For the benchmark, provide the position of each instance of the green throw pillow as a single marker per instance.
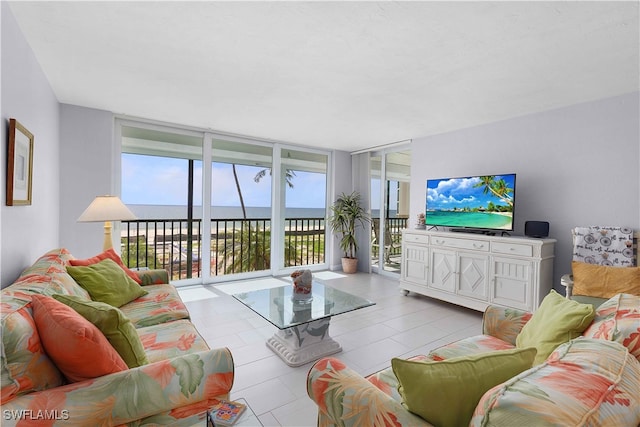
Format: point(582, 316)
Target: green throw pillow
point(445, 393)
point(557, 321)
point(113, 324)
point(107, 282)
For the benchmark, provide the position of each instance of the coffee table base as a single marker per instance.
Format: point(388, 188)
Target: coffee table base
point(305, 343)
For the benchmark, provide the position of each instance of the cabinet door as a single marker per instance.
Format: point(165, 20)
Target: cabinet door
point(512, 282)
point(443, 270)
point(473, 276)
point(415, 263)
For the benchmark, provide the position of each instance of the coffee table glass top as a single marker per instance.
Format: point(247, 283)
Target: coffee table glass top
point(277, 306)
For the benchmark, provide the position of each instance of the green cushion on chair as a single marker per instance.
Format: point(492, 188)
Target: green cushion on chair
point(557, 321)
point(445, 393)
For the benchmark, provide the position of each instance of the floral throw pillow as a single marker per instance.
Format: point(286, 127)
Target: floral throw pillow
point(618, 319)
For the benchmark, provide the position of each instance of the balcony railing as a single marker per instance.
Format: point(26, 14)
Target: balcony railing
point(237, 245)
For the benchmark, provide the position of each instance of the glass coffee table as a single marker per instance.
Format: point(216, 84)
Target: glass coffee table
point(303, 325)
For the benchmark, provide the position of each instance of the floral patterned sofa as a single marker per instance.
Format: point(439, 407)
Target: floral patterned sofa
point(174, 379)
point(591, 380)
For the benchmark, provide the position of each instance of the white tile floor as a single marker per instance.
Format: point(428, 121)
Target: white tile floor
point(397, 326)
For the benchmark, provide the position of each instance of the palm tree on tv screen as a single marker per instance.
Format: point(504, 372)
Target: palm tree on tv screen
point(497, 187)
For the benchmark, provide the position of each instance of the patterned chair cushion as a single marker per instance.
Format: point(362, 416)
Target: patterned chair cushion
point(618, 319)
point(588, 382)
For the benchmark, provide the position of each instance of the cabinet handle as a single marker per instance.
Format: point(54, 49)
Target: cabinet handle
point(478, 246)
point(440, 242)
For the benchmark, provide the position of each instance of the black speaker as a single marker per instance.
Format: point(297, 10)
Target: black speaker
point(536, 228)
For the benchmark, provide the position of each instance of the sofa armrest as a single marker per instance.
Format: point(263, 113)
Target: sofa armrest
point(345, 398)
point(504, 323)
point(131, 394)
point(152, 276)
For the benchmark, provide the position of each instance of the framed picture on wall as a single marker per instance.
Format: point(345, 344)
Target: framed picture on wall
point(19, 164)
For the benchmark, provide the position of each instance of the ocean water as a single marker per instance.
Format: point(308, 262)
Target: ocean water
point(219, 212)
point(469, 219)
point(228, 212)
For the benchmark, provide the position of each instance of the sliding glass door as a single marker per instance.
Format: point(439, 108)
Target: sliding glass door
point(390, 173)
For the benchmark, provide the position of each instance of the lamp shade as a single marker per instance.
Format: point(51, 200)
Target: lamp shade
point(106, 208)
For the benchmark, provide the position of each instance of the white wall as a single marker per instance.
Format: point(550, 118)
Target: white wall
point(87, 170)
point(26, 232)
point(575, 166)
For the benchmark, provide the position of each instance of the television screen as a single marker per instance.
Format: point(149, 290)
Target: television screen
point(481, 202)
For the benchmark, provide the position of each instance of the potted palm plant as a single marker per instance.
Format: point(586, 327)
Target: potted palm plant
point(346, 215)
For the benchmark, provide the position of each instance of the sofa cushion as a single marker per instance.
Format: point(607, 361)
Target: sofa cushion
point(604, 281)
point(25, 367)
point(53, 261)
point(161, 304)
point(171, 339)
point(618, 319)
point(556, 321)
point(48, 276)
point(114, 326)
point(108, 254)
point(445, 393)
point(31, 284)
point(386, 381)
point(476, 344)
point(586, 382)
point(76, 346)
point(106, 282)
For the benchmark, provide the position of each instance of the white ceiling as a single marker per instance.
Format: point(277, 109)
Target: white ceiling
point(345, 75)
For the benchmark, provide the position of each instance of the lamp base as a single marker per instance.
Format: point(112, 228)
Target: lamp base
point(108, 240)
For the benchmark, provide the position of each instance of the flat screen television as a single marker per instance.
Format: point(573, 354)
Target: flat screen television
point(472, 202)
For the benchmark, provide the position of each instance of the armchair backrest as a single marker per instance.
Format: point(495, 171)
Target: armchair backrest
point(595, 250)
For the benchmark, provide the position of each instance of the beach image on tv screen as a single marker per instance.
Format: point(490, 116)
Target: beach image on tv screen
point(473, 202)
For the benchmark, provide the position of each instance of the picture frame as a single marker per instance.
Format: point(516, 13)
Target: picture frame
point(19, 164)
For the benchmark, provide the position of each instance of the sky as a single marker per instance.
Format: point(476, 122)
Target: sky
point(446, 194)
point(152, 180)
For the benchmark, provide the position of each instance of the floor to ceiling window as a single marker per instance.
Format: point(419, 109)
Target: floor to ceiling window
point(161, 182)
point(390, 173)
point(240, 208)
point(303, 188)
point(265, 204)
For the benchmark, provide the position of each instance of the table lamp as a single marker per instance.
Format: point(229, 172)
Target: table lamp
point(106, 208)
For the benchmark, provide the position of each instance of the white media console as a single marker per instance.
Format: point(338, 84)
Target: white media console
point(476, 271)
